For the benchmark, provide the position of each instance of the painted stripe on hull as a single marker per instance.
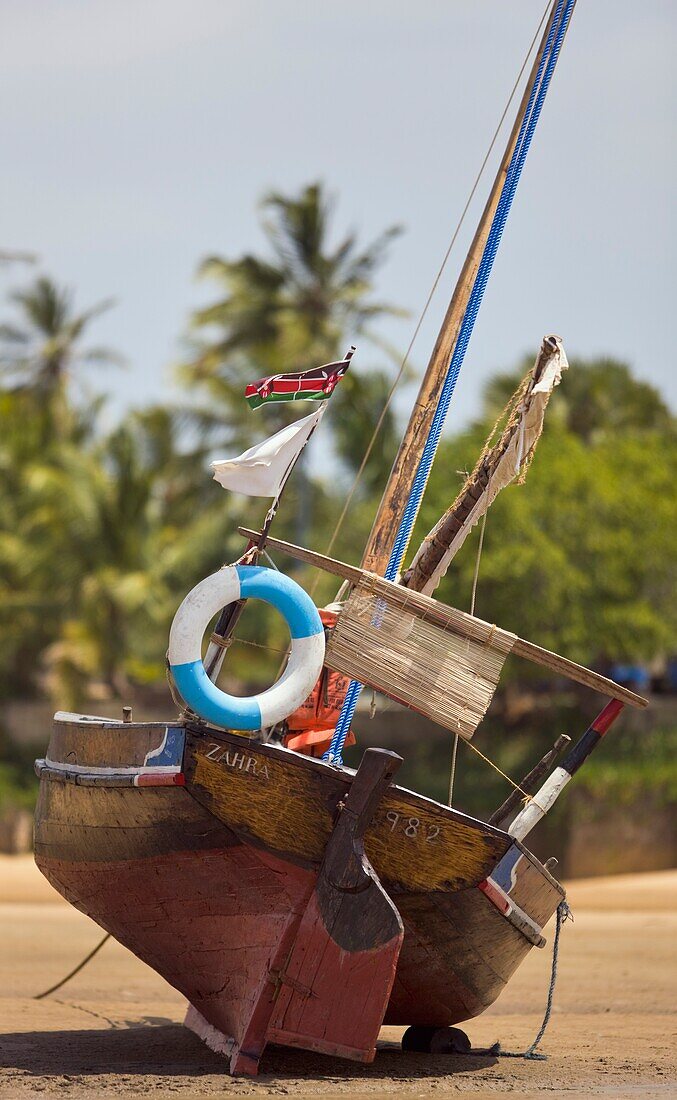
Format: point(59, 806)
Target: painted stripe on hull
point(512, 912)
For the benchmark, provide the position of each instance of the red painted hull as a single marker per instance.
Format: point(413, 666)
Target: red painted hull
point(248, 937)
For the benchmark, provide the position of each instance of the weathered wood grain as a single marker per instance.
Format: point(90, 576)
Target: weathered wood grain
point(287, 803)
point(405, 466)
point(458, 954)
point(106, 825)
point(108, 745)
point(534, 889)
point(209, 922)
point(335, 985)
point(466, 625)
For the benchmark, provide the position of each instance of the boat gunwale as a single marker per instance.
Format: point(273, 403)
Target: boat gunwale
point(312, 764)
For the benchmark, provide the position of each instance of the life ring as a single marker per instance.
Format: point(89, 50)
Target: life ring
point(231, 583)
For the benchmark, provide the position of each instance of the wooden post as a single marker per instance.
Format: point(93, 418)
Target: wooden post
point(544, 799)
point(337, 979)
point(381, 539)
point(446, 531)
point(459, 622)
point(529, 784)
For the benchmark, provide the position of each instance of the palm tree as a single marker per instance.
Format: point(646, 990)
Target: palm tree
point(294, 309)
point(39, 350)
point(109, 518)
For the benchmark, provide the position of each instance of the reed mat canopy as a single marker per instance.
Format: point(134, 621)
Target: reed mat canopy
point(435, 659)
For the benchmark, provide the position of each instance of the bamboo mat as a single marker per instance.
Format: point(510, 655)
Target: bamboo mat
point(385, 638)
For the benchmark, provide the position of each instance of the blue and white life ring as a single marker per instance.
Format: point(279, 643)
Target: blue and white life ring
point(231, 583)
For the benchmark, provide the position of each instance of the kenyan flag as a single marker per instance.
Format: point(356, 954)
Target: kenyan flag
point(310, 385)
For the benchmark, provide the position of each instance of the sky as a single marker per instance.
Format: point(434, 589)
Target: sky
point(139, 135)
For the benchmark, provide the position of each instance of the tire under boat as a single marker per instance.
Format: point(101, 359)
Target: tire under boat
point(200, 851)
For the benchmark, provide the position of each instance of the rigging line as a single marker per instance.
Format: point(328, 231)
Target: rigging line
point(477, 564)
point(478, 558)
point(527, 796)
point(435, 284)
point(556, 32)
point(76, 970)
point(257, 645)
point(452, 772)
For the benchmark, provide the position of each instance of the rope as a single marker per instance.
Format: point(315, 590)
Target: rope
point(473, 596)
point(431, 293)
point(545, 69)
point(563, 914)
point(496, 768)
point(257, 645)
point(476, 574)
point(452, 772)
point(78, 968)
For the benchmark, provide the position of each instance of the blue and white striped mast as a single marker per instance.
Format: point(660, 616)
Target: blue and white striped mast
point(401, 500)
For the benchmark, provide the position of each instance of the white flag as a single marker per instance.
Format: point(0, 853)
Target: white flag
point(261, 471)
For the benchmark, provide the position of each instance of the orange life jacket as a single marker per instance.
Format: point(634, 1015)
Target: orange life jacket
point(311, 726)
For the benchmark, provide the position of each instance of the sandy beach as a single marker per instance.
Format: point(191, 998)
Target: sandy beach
point(115, 1029)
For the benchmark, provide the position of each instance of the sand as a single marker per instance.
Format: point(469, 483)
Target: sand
point(115, 1031)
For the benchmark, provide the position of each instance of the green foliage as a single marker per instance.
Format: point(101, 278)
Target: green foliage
point(579, 558)
point(103, 533)
point(599, 398)
point(634, 766)
point(16, 789)
point(18, 783)
point(40, 348)
point(299, 306)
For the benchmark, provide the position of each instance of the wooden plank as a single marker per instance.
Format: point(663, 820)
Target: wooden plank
point(384, 529)
point(459, 621)
point(285, 804)
point(562, 667)
point(310, 557)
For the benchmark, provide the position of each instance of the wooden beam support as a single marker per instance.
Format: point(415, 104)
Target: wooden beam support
point(386, 522)
point(461, 623)
point(581, 675)
point(310, 557)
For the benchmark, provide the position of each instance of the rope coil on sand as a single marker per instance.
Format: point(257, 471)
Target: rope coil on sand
point(563, 914)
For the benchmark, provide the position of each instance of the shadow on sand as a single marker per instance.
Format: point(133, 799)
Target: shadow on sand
point(161, 1048)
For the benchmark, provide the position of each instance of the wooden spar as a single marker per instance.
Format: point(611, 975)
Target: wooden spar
point(528, 785)
point(398, 488)
point(310, 557)
point(585, 676)
point(461, 623)
point(463, 513)
point(538, 806)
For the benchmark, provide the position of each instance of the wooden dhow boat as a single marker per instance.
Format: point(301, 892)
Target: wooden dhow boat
point(291, 899)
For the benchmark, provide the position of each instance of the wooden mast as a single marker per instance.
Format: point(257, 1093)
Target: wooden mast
point(382, 536)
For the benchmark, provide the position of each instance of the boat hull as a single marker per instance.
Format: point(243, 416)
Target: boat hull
point(223, 913)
